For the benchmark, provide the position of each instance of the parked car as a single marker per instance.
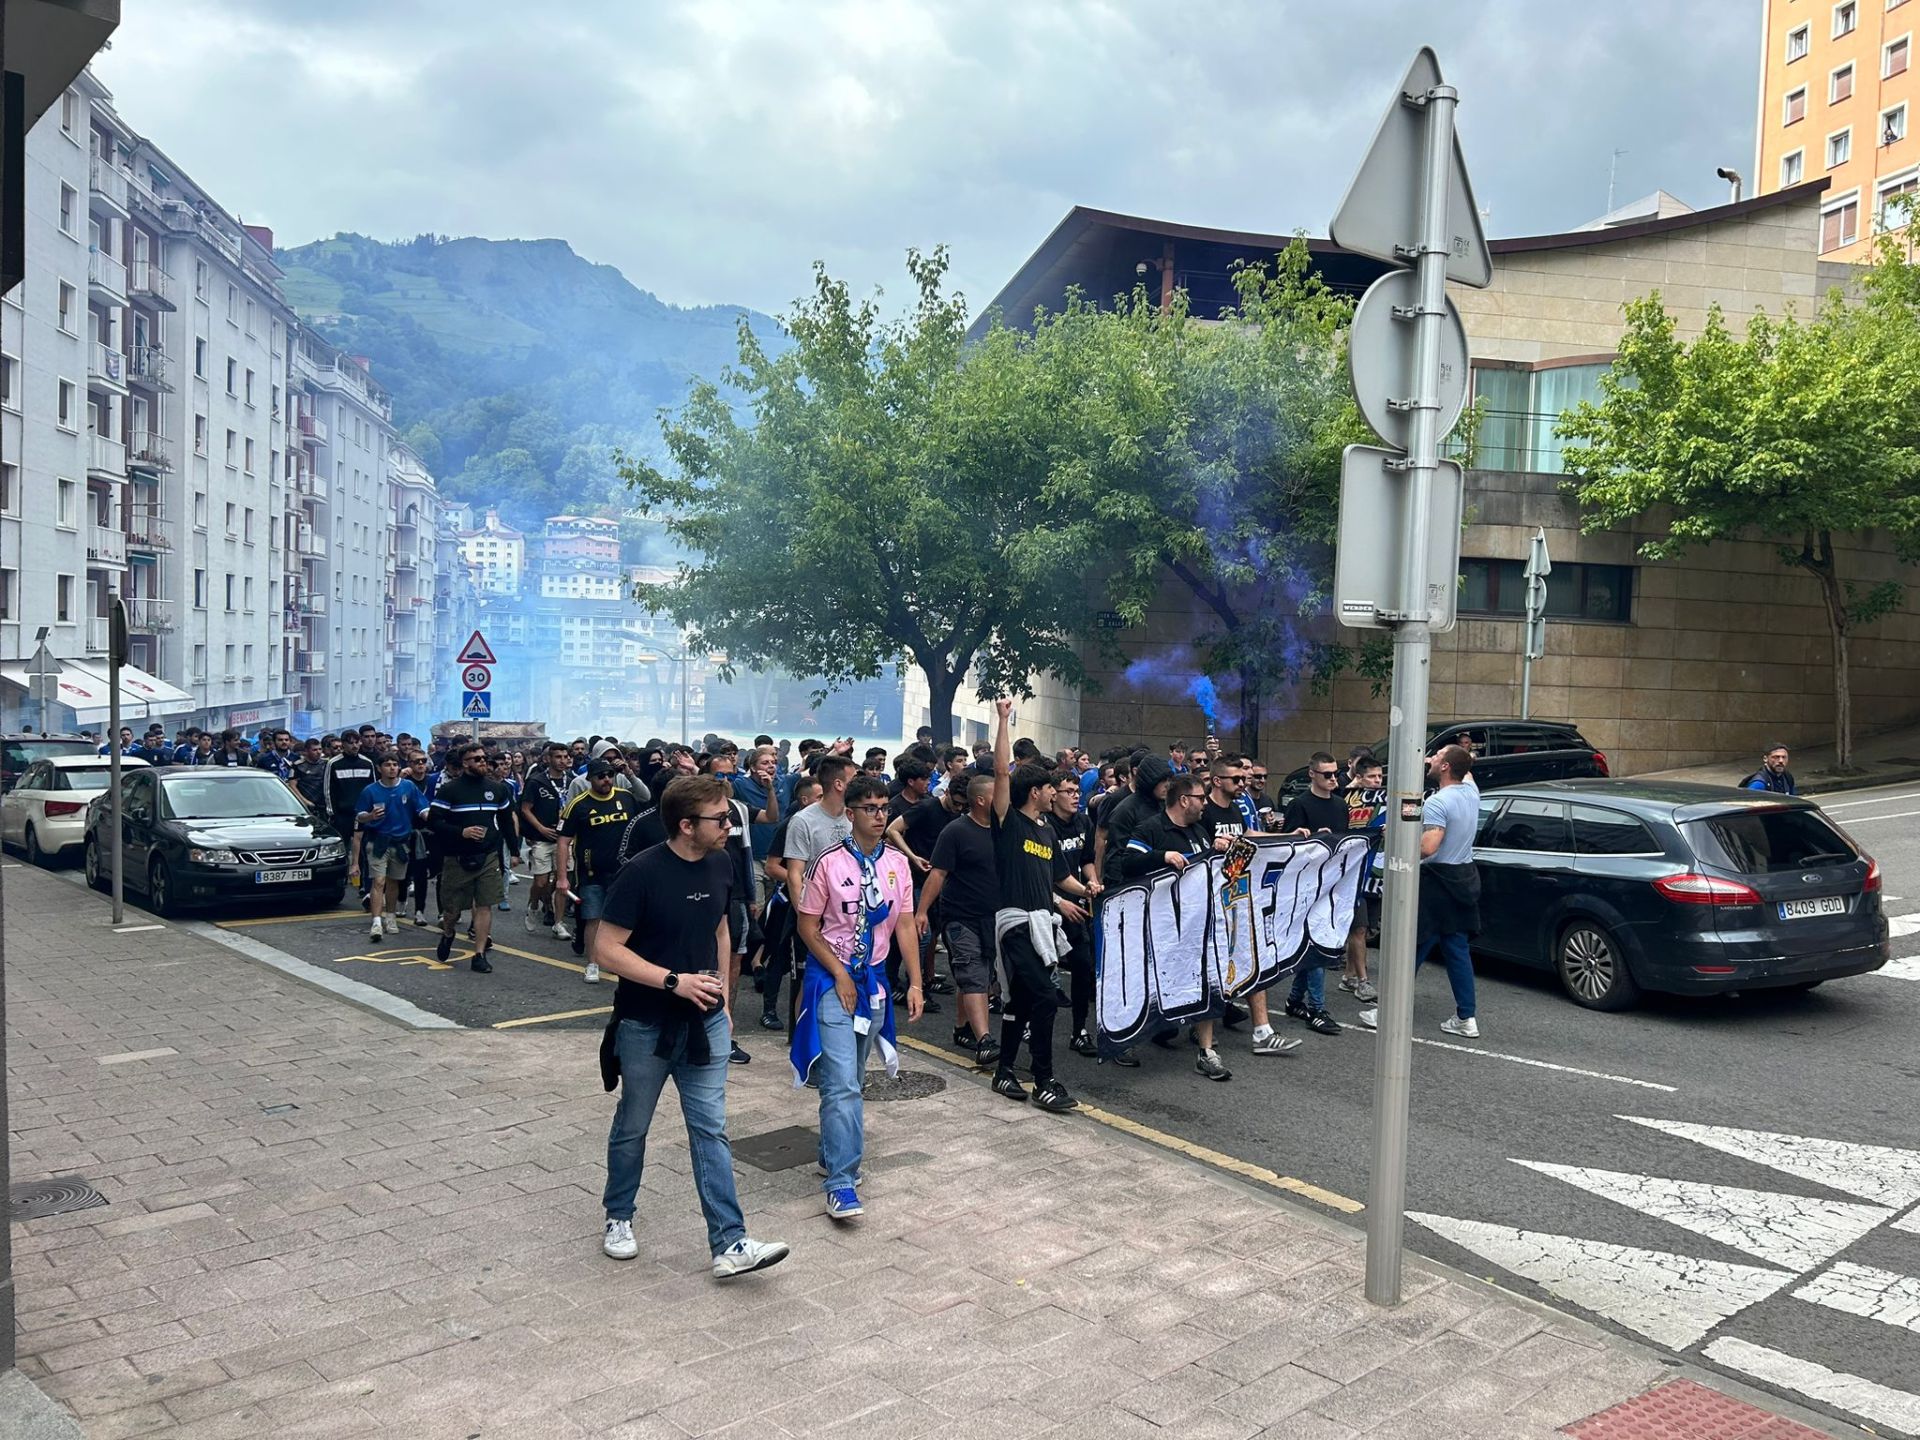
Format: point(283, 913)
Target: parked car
point(21, 750)
point(45, 813)
point(1620, 886)
point(1505, 753)
point(193, 835)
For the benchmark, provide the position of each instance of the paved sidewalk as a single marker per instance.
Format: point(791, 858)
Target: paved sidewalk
point(323, 1224)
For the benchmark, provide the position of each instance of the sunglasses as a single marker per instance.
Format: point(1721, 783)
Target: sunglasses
point(726, 820)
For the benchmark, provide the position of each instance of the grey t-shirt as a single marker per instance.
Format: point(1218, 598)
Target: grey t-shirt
point(1456, 809)
point(812, 832)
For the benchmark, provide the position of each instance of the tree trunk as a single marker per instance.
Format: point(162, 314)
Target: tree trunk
point(942, 685)
point(1821, 565)
point(1250, 707)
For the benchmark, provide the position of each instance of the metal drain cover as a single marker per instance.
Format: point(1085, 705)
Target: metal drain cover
point(781, 1149)
point(912, 1085)
point(37, 1199)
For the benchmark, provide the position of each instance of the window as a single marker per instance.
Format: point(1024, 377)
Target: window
point(1839, 147)
point(1890, 190)
point(1575, 591)
point(246, 528)
point(1840, 225)
point(1793, 168)
point(233, 376)
point(246, 592)
point(9, 489)
point(229, 600)
point(200, 357)
point(200, 663)
point(1797, 44)
point(233, 518)
point(9, 382)
point(67, 308)
point(1767, 842)
point(1794, 108)
point(69, 205)
point(233, 304)
point(1539, 826)
point(249, 317)
point(249, 390)
point(199, 509)
point(199, 434)
point(63, 599)
point(228, 668)
point(69, 499)
point(246, 658)
point(1893, 125)
point(200, 281)
point(233, 447)
point(9, 590)
point(1523, 406)
point(1893, 59)
point(69, 114)
point(1846, 18)
point(200, 591)
point(247, 464)
point(1610, 832)
point(1840, 85)
point(69, 412)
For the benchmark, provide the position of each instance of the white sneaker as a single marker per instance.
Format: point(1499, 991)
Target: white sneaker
point(374, 932)
point(420, 918)
point(1369, 1019)
point(1467, 1029)
point(1275, 1044)
point(619, 1243)
point(592, 977)
point(745, 1256)
point(560, 931)
point(530, 920)
point(390, 924)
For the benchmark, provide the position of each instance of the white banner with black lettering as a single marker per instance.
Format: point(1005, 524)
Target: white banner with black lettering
point(1174, 946)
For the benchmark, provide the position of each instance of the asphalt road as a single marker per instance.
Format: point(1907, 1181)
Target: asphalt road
point(1753, 1240)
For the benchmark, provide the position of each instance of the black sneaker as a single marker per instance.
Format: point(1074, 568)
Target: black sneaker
point(1125, 1059)
point(739, 1056)
point(366, 902)
point(986, 1052)
point(771, 1021)
point(993, 1004)
point(1322, 1023)
point(1052, 1095)
point(482, 963)
point(1008, 1084)
point(1082, 1044)
point(580, 940)
point(963, 1038)
point(941, 986)
point(444, 948)
point(929, 1005)
point(1297, 1010)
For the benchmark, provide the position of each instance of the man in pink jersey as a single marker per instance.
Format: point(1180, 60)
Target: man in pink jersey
point(847, 916)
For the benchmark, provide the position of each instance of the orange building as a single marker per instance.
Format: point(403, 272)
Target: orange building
point(1838, 90)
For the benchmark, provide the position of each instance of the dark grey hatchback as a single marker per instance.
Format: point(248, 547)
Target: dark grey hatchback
point(1620, 886)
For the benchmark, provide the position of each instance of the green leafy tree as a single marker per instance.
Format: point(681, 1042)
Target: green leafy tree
point(1797, 430)
point(884, 499)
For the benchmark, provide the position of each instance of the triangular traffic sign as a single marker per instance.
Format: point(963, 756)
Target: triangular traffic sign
point(1381, 212)
point(476, 651)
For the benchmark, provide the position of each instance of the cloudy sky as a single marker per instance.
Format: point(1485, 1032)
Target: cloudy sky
point(714, 150)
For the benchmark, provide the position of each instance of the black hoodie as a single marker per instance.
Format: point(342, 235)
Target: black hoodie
point(1123, 817)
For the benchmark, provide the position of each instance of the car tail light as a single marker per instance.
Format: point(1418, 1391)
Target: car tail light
point(74, 807)
point(1705, 890)
point(1600, 764)
point(1872, 887)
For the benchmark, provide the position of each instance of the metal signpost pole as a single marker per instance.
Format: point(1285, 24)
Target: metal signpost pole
point(1538, 568)
point(116, 656)
point(1406, 747)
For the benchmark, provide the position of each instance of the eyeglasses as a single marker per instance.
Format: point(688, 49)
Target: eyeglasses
point(869, 809)
point(1325, 774)
point(726, 820)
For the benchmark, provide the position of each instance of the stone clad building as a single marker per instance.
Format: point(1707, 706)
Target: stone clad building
point(1660, 664)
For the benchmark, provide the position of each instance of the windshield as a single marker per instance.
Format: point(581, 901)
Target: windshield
point(237, 797)
point(1761, 842)
point(82, 777)
point(18, 754)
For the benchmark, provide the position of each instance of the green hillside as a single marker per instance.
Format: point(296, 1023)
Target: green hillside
point(516, 366)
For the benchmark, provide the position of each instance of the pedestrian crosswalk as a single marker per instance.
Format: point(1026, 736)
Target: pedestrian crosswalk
point(1792, 1244)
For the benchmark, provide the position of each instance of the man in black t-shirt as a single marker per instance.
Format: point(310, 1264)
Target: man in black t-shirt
point(1316, 811)
point(590, 831)
point(777, 925)
point(1174, 839)
point(664, 933)
point(1028, 933)
point(1074, 882)
point(1225, 817)
point(541, 800)
point(963, 886)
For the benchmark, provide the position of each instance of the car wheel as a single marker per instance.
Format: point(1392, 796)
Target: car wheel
point(160, 897)
point(1592, 969)
point(35, 855)
point(96, 872)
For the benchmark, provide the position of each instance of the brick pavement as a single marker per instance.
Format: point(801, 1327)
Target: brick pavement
point(414, 1249)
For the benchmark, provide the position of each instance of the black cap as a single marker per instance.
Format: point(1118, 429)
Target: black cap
point(597, 768)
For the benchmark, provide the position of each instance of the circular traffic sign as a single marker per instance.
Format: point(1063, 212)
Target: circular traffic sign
point(1380, 359)
point(476, 677)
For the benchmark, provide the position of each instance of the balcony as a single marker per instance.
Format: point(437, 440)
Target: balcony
point(148, 616)
point(147, 281)
point(106, 546)
point(148, 451)
point(110, 185)
point(147, 366)
point(106, 277)
point(315, 604)
point(106, 457)
point(106, 366)
point(292, 621)
point(311, 544)
point(310, 662)
point(314, 428)
point(314, 486)
point(147, 530)
point(96, 635)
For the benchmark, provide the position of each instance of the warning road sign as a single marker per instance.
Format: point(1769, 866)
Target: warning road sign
point(479, 706)
point(476, 677)
point(476, 651)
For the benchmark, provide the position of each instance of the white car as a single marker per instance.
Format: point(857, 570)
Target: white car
point(45, 815)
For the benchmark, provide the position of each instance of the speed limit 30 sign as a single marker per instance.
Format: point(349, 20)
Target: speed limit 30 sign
point(476, 677)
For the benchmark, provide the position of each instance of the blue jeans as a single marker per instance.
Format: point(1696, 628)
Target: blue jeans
point(1310, 982)
point(703, 1100)
point(1459, 962)
point(840, 1071)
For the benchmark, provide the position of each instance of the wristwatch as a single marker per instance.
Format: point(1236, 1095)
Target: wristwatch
point(672, 982)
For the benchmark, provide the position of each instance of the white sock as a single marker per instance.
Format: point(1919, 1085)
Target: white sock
point(1260, 1032)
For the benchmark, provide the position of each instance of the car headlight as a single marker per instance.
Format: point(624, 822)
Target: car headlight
point(213, 857)
point(329, 850)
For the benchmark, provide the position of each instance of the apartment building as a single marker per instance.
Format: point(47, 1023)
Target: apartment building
point(1838, 90)
point(421, 675)
point(497, 553)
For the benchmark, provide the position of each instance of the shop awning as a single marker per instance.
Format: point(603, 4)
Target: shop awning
point(82, 687)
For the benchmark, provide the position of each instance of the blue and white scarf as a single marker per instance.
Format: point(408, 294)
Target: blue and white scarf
point(869, 983)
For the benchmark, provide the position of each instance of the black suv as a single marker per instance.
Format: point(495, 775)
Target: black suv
point(1505, 753)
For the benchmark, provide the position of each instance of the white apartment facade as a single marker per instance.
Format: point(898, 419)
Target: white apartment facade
point(498, 555)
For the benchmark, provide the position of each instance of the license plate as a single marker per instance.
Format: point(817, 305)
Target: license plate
point(1803, 909)
point(281, 877)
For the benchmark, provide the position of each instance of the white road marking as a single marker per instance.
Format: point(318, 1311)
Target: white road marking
point(1877, 800)
point(1545, 1065)
point(1907, 969)
point(1909, 1221)
point(1900, 925)
point(1871, 1401)
point(127, 1057)
point(1795, 1231)
point(1673, 1300)
point(135, 929)
point(1861, 1290)
point(1873, 1172)
point(1872, 819)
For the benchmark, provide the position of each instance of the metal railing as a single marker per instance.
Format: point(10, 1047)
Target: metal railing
point(106, 273)
point(1517, 440)
point(148, 365)
point(314, 428)
point(148, 451)
point(96, 634)
point(146, 280)
point(106, 546)
point(154, 616)
point(147, 529)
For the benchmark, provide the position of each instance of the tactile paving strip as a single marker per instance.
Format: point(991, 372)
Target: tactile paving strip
point(1682, 1410)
